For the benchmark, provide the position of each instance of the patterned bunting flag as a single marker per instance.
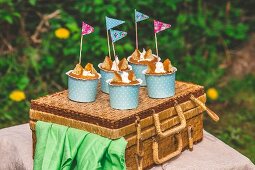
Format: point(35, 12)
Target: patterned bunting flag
point(160, 26)
point(111, 22)
point(140, 16)
point(86, 29)
point(117, 35)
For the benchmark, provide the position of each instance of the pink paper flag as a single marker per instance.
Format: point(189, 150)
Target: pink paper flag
point(160, 26)
point(86, 29)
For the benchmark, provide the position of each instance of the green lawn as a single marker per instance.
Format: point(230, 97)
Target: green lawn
point(237, 116)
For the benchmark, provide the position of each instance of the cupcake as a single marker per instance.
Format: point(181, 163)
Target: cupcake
point(82, 83)
point(124, 90)
point(160, 79)
point(107, 69)
point(139, 61)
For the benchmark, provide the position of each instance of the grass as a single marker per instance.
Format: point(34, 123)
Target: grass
point(237, 116)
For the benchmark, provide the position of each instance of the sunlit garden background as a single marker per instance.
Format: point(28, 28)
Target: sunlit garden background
point(212, 43)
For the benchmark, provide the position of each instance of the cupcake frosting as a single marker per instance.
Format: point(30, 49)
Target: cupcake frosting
point(115, 64)
point(88, 72)
point(124, 78)
point(159, 68)
point(143, 57)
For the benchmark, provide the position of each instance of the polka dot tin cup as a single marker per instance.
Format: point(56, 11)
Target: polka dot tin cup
point(124, 97)
point(106, 75)
point(81, 90)
point(160, 85)
point(138, 70)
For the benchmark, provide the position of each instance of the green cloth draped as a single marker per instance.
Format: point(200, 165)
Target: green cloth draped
point(61, 147)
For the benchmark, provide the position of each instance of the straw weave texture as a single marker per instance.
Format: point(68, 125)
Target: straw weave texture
point(100, 112)
point(128, 130)
point(167, 145)
point(99, 118)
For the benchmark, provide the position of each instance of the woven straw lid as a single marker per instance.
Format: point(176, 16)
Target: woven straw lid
point(100, 112)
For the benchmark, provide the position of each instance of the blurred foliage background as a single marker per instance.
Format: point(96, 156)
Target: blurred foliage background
point(211, 43)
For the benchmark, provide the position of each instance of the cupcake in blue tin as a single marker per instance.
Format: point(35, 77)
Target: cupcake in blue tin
point(83, 83)
point(124, 90)
point(160, 79)
point(139, 61)
point(107, 69)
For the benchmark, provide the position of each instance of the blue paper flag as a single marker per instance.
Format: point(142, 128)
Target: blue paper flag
point(140, 16)
point(117, 35)
point(111, 22)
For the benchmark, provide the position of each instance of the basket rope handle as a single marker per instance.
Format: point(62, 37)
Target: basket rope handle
point(213, 115)
point(190, 129)
point(174, 130)
point(139, 145)
point(156, 158)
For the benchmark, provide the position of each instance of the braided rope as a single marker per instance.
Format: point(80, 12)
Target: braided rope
point(156, 158)
point(190, 129)
point(139, 145)
point(174, 130)
point(213, 115)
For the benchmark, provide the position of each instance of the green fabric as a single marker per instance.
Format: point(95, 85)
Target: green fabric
point(60, 147)
point(115, 155)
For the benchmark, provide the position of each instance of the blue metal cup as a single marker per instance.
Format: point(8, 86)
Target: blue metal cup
point(81, 90)
point(160, 86)
point(124, 97)
point(138, 70)
point(106, 75)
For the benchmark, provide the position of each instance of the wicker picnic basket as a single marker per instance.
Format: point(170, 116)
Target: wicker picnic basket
point(158, 130)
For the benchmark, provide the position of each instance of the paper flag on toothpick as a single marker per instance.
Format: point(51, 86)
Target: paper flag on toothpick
point(117, 35)
point(160, 26)
point(111, 22)
point(86, 29)
point(140, 16)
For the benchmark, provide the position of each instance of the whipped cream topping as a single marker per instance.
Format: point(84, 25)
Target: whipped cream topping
point(124, 77)
point(76, 73)
point(87, 73)
point(159, 68)
point(115, 64)
point(142, 54)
